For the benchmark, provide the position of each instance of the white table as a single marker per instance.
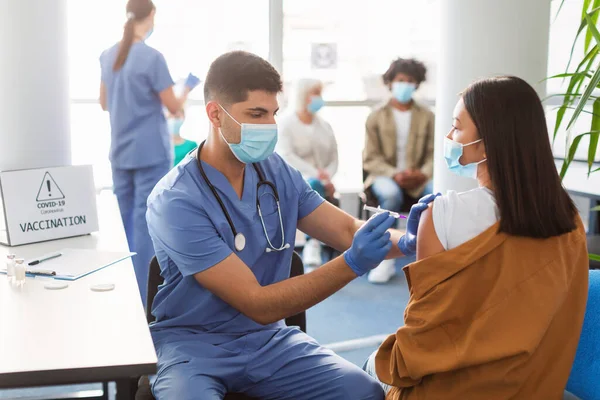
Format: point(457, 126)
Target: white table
point(577, 182)
point(75, 335)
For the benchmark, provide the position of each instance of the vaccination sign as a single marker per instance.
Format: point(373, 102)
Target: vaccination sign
point(49, 203)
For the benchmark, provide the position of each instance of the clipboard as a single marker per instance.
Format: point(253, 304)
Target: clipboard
point(77, 263)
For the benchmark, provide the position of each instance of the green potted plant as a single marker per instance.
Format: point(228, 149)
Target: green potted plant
point(583, 80)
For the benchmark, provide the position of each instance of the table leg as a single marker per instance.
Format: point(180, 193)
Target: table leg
point(126, 389)
point(104, 391)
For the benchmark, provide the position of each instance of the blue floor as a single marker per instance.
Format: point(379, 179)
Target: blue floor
point(359, 310)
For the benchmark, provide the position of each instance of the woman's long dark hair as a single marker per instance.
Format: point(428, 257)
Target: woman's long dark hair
point(137, 10)
point(510, 119)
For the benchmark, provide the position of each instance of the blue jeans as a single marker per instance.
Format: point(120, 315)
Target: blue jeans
point(390, 196)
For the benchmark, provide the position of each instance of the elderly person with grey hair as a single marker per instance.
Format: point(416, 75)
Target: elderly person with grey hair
point(306, 142)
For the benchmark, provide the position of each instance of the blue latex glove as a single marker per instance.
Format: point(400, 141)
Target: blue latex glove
point(192, 81)
point(370, 245)
point(408, 242)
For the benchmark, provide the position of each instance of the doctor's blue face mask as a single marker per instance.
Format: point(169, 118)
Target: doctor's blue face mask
point(257, 141)
point(453, 151)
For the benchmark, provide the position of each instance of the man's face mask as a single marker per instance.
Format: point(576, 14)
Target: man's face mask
point(257, 141)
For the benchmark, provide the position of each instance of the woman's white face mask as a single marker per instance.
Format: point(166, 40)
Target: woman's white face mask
point(453, 151)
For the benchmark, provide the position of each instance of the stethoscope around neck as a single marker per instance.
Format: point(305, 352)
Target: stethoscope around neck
point(239, 240)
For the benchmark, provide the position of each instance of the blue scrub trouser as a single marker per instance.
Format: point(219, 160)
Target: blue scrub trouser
point(273, 364)
point(132, 188)
point(389, 195)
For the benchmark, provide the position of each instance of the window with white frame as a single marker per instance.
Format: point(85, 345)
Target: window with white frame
point(346, 47)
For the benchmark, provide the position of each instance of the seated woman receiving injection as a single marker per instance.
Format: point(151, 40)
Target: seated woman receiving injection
point(499, 289)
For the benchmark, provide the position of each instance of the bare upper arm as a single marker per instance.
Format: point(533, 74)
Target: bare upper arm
point(233, 282)
point(103, 96)
point(330, 225)
point(428, 244)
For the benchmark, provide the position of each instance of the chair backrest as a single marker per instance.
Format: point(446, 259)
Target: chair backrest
point(155, 280)
point(593, 242)
point(584, 381)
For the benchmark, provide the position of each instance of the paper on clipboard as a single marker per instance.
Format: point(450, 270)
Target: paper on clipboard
point(77, 263)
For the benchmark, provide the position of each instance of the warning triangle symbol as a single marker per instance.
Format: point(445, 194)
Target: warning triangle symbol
point(49, 190)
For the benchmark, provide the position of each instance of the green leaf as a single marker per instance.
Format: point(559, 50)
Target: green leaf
point(573, 95)
point(572, 150)
point(594, 19)
point(570, 156)
point(566, 103)
point(594, 257)
point(569, 74)
point(595, 126)
point(586, 5)
point(579, 30)
point(576, 79)
point(588, 66)
point(592, 30)
point(584, 98)
point(584, 111)
point(560, 8)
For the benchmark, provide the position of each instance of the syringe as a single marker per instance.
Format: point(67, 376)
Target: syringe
point(379, 210)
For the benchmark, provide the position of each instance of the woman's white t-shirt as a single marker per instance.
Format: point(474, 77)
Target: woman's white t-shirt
point(459, 217)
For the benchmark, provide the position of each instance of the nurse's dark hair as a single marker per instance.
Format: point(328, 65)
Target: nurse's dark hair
point(232, 75)
point(137, 11)
point(510, 119)
point(407, 66)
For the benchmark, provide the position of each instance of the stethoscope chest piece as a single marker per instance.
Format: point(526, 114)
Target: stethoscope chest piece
point(239, 241)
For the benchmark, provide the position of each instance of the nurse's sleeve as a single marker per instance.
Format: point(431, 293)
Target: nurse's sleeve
point(186, 234)
point(308, 199)
point(160, 77)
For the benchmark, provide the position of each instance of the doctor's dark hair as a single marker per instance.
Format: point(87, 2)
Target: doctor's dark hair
point(137, 11)
point(510, 119)
point(408, 66)
point(232, 75)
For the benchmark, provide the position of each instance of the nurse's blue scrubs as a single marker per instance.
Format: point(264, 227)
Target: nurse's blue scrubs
point(205, 347)
point(140, 150)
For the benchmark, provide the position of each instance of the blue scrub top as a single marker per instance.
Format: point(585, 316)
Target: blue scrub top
point(139, 134)
point(191, 234)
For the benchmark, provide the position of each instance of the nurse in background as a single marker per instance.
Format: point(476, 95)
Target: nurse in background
point(135, 86)
point(181, 145)
point(307, 143)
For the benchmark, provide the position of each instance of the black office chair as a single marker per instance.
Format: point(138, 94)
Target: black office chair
point(155, 280)
point(366, 197)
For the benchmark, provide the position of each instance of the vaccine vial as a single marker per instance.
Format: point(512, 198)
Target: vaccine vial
point(10, 266)
point(20, 271)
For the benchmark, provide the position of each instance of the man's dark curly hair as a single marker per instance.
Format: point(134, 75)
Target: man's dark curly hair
point(408, 66)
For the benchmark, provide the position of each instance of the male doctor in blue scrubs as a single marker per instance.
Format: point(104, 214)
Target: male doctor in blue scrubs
point(224, 244)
